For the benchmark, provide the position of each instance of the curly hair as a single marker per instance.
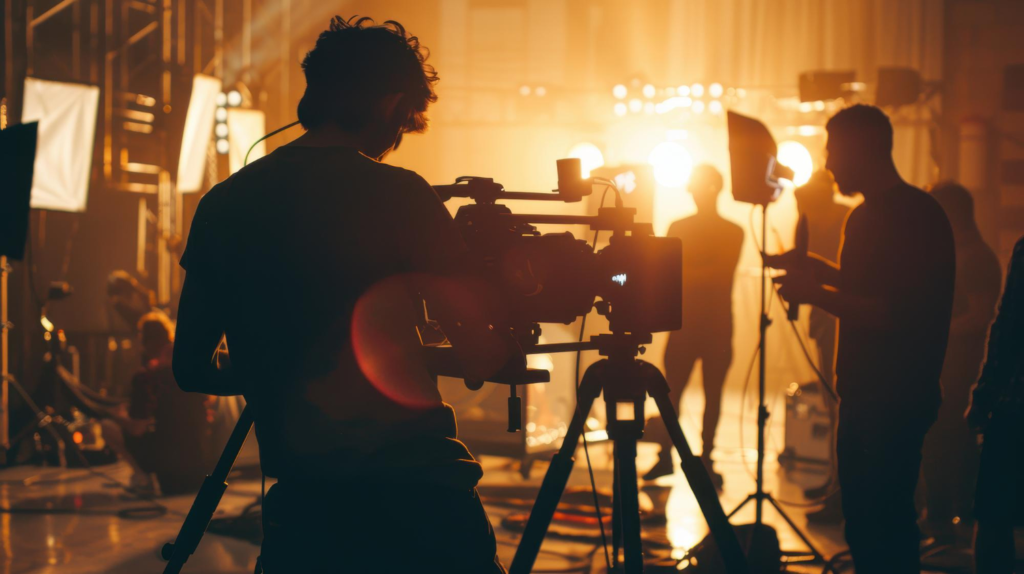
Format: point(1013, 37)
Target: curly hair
point(355, 63)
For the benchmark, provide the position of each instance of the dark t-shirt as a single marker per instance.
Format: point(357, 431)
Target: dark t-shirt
point(289, 244)
point(711, 250)
point(897, 248)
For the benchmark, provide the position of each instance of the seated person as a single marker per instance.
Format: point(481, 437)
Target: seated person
point(165, 432)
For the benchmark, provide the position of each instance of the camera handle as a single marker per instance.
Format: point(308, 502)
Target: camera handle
point(626, 382)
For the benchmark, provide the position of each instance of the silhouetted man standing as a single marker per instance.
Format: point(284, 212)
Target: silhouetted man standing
point(951, 450)
point(893, 293)
point(711, 250)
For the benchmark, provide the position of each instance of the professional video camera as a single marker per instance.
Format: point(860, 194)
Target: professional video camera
point(555, 277)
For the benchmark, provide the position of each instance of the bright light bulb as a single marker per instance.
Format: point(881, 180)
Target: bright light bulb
point(715, 90)
point(635, 105)
point(796, 157)
point(683, 90)
point(672, 164)
point(234, 98)
point(715, 107)
point(590, 157)
point(222, 147)
point(222, 99)
point(697, 90)
point(619, 91)
point(621, 109)
point(698, 107)
point(649, 91)
point(221, 115)
point(221, 130)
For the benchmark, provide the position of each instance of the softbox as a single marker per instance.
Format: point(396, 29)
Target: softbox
point(17, 157)
point(753, 164)
point(67, 130)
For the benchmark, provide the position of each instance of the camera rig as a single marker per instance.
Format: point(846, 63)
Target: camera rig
point(556, 278)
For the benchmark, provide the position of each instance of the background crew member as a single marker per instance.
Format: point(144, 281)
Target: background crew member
point(711, 250)
point(950, 461)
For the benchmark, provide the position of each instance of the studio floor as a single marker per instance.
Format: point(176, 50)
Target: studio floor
point(68, 521)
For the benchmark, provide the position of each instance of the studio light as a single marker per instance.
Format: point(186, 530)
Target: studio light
point(245, 126)
point(672, 164)
point(203, 111)
point(67, 129)
point(795, 156)
point(590, 157)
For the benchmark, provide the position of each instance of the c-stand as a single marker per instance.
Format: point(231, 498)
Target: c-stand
point(626, 383)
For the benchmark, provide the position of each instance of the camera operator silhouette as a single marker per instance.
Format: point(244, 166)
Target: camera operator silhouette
point(892, 291)
point(950, 461)
point(711, 251)
point(278, 256)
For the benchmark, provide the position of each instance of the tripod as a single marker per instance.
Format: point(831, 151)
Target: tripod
point(759, 496)
point(626, 382)
point(206, 502)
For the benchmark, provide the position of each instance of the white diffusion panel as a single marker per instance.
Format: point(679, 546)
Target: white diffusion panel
point(67, 129)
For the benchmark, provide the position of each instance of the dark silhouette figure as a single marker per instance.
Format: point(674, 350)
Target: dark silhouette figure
point(950, 450)
point(892, 292)
point(825, 219)
point(997, 411)
point(165, 435)
point(711, 250)
point(277, 258)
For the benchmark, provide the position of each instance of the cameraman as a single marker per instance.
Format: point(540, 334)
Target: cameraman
point(893, 294)
point(277, 258)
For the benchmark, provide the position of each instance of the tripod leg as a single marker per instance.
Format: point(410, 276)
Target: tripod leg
point(814, 551)
point(555, 480)
point(625, 467)
point(206, 501)
point(703, 489)
point(616, 511)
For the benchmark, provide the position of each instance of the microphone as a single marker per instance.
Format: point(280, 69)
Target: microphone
point(801, 249)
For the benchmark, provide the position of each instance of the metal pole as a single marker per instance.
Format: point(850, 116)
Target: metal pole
point(762, 411)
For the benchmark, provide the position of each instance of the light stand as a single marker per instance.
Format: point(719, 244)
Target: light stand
point(760, 496)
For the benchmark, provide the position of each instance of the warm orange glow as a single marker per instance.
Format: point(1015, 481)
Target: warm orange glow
point(77, 437)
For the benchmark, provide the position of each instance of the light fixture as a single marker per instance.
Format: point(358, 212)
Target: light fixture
point(715, 90)
point(672, 164)
point(590, 157)
point(649, 91)
point(794, 155)
point(697, 90)
point(619, 91)
point(621, 109)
